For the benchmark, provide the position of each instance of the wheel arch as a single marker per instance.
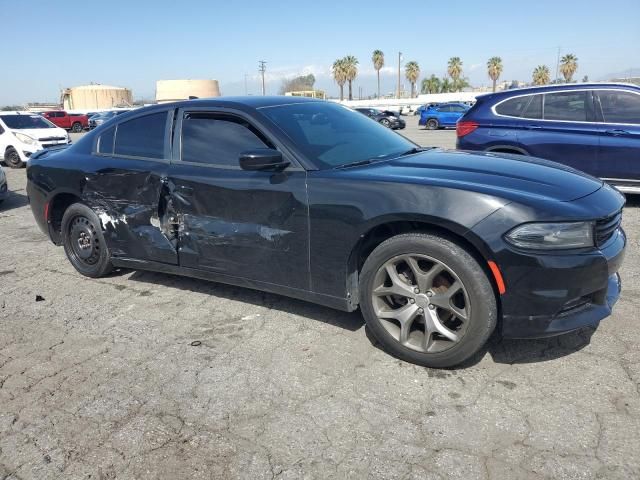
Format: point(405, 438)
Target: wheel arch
point(58, 204)
point(385, 229)
point(507, 149)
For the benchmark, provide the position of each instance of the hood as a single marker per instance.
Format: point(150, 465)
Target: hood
point(39, 133)
point(508, 176)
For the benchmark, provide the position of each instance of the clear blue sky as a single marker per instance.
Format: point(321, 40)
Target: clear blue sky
point(49, 44)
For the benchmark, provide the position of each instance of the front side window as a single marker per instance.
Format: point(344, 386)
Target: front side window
point(619, 106)
point(567, 106)
point(142, 136)
point(217, 139)
point(330, 135)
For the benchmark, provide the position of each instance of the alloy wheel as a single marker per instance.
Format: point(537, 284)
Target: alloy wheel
point(421, 303)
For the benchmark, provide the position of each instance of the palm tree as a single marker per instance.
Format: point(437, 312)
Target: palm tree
point(339, 75)
point(541, 75)
point(431, 84)
point(454, 68)
point(445, 85)
point(378, 62)
point(351, 71)
point(412, 72)
point(494, 69)
point(460, 83)
point(568, 66)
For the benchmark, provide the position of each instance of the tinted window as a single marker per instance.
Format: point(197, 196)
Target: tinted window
point(514, 107)
point(533, 109)
point(26, 121)
point(218, 139)
point(142, 136)
point(620, 107)
point(446, 108)
point(330, 135)
point(571, 106)
point(458, 108)
point(105, 141)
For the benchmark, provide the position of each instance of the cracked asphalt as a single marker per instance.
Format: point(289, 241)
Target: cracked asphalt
point(143, 375)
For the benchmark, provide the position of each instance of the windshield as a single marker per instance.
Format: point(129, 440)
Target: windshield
point(331, 135)
point(21, 122)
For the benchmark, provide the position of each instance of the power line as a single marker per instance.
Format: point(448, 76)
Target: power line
point(262, 67)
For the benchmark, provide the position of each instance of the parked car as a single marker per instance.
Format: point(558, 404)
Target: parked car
point(310, 199)
point(418, 111)
point(69, 121)
point(102, 117)
point(23, 133)
point(442, 115)
point(4, 188)
point(387, 118)
point(592, 127)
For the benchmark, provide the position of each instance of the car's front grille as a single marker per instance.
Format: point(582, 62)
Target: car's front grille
point(606, 227)
point(51, 139)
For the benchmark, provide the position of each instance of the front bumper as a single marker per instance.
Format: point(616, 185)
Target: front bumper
point(398, 125)
point(556, 294)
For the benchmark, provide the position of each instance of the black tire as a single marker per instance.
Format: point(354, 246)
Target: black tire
point(84, 242)
point(12, 158)
point(432, 124)
point(76, 127)
point(385, 122)
point(482, 298)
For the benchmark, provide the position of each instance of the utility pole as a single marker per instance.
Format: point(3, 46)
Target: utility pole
point(262, 68)
point(557, 64)
point(399, 59)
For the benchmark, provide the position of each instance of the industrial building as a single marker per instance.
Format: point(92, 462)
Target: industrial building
point(174, 90)
point(95, 97)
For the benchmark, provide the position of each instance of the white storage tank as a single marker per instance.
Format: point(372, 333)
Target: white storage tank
point(174, 90)
point(95, 97)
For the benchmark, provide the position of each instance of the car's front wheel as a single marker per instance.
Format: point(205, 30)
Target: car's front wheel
point(427, 300)
point(84, 242)
point(12, 158)
point(76, 127)
point(432, 124)
point(385, 122)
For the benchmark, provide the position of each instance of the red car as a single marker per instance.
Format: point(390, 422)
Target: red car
point(69, 121)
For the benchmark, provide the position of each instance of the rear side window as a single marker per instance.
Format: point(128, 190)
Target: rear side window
point(105, 141)
point(620, 107)
point(142, 136)
point(533, 109)
point(568, 106)
point(216, 139)
point(446, 108)
point(514, 107)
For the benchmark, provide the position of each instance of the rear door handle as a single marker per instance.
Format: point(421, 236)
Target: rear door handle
point(617, 131)
point(533, 127)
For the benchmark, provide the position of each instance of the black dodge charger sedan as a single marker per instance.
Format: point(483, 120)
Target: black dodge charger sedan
point(312, 200)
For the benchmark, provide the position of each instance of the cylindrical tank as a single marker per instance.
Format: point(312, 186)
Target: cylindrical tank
point(89, 97)
point(174, 90)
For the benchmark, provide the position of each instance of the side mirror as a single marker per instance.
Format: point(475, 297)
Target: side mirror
point(262, 159)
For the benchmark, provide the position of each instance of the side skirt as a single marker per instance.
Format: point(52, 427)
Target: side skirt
point(328, 301)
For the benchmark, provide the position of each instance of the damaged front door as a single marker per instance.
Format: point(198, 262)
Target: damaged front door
point(127, 188)
point(246, 224)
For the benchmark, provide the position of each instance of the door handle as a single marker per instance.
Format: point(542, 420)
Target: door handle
point(533, 127)
point(617, 131)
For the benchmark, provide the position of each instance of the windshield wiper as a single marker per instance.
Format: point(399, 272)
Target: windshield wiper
point(354, 164)
point(415, 150)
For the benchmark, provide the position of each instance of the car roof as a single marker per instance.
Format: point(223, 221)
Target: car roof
point(18, 112)
point(557, 87)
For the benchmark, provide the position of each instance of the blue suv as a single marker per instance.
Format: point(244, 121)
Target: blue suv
point(592, 127)
point(443, 115)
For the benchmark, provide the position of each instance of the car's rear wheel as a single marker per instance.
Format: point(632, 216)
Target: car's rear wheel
point(84, 242)
point(427, 300)
point(432, 124)
point(385, 122)
point(12, 158)
point(76, 127)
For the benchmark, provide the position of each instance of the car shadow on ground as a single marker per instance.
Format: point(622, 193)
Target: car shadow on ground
point(501, 350)
point(349, 321)
point(15, 200)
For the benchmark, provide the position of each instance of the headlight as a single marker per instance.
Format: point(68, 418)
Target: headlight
point(552, 236)
point(26, 139)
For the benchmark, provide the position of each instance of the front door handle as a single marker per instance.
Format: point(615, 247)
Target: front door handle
point(616, 132)
point(533, 127)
